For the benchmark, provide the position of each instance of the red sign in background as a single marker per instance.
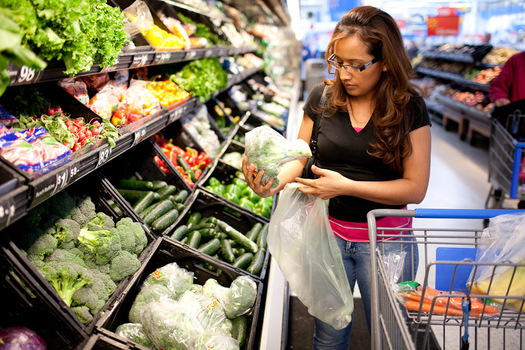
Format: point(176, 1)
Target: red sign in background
point(443, 25)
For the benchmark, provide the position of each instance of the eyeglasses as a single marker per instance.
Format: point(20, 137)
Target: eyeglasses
point(350, 67)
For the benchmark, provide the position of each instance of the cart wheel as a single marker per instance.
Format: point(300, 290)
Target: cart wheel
point(521, 205)
point(497, 194)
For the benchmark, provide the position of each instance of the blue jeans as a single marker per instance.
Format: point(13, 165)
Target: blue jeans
point(356, 260)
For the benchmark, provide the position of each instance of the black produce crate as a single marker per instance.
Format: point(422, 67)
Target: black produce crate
point(35, 293)
point(167, 251)
point(14, 195)
point(99, 341)
point(233, 146)
point(180, 137)
point(139, 163)
point(218, 115)
point(225, 173)
point(211, 205)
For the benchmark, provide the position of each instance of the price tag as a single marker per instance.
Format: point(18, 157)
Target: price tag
point(43, 189)
point(104, 155)
point(28, 75)
point(176, 114)
point(139, 60)
point(209, 53)
point(7, 212)
point(162, 57)
point(140, 134)
point(190, 55)
point(66, 176)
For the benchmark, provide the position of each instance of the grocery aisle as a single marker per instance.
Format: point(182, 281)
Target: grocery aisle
point(458, 179)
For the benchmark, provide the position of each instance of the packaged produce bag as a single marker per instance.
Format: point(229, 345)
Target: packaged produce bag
point(268, 150)
point(302, 242)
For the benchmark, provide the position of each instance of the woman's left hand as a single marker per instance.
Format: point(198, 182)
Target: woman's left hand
point(327, 186)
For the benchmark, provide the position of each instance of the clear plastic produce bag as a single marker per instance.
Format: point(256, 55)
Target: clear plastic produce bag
point(268, 150)
point(302, 242)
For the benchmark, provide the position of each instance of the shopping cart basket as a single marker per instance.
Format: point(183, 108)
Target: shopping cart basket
point(505, 161)
point(393, 327)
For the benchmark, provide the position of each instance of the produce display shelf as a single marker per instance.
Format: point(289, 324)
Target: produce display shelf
point(454, 77)
point(462, 107)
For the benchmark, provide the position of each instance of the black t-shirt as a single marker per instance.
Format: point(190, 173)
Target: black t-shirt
point(343, 149)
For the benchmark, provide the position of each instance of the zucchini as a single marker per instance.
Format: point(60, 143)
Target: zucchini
point(256, 265)
point(166, 191)
point(194, 219)
point(179, 232)
point(162, 208)
point(211, 247)
point(141, 184)
point(227, 251)
point(254, 231)
point(194, 239)
point(181, 196)
point(243, 261)
point(239, 329)
point(238, 237)
point(131, 196)
point(165, 220)
point(262, 239)
point(145, 201)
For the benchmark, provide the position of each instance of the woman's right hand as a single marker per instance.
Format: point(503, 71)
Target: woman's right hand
point(253, 180)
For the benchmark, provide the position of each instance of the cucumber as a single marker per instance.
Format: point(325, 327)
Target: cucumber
point(202, 225)
point(131, 196)
point(141, 185)
point(145, 201)
point(243, 261)
point(254, 231)
point(194, 219)
point(211, 247)
point(256, 265)
point(181, 196)
point(186, 168)
point(262, 239)
point(185, 239)
point(179, 206)
point(209, 233)
point(179, 232)
point(165, 220)
point(227, 251)
point(162, 208)
point(239, 329)
point(238, 237)
point(194, 239)
point(166, 191)
point(238, 251)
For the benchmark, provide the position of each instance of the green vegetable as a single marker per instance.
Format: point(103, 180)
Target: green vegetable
point(131, 196)
point(132, 235)
point(262, 238)
point(263, 209)
point(162, 208)
point(240, 329)
point(213, 181)
point(194, 239)
point(181, 196)
point(238, 237)
point(234, 189)
point(144, 202)
point(254, 231)
point(123, 265)
point(102, 245)
point(66, 278)
point(165, 220)
point(246, 203)
point(243, 261)
point(239, 183)
point(194, 219)
point(151, 292)
point(179, 232)
point(211, 247)
point(166, 191)
point(257, 263)
point(134, 332)
point(141, 185)
point(227, 251)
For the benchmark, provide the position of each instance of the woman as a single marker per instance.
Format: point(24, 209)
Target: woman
point(373, 145)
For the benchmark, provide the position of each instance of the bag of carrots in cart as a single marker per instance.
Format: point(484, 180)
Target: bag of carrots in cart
point(429, 300)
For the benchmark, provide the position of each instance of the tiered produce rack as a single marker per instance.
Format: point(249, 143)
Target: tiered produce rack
point(96, 171)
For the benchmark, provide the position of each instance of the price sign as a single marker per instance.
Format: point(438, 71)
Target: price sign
point(67, 176)
point(190, 55)
point(110, 68)
point(209, 53)
point(139, 60)
point(28, 75)
point(103, 155)
point(7, 212)
point(176, 114)
point(162, 57)
point(140, 134)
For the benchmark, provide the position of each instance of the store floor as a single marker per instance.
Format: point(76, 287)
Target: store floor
point(458, 180)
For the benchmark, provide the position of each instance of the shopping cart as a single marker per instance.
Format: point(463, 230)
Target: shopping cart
point(505, 161)
point(445, 230)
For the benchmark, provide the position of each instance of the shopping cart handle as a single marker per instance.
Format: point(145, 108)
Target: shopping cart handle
point(463, 213)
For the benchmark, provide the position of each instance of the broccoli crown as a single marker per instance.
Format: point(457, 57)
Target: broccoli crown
point(66, 231)
point(101, 245)
point(86, 207)
point(132, 235)
point(43, 246)
point(83, 314)
point(66, 278)
point(62, 204)
point(63, 255)
point(87, 296)
point(79, 217)
point(123, 265)
point(101, 221)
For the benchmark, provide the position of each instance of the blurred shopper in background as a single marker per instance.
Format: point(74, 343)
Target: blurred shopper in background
point(373, 147)
point(509, 85)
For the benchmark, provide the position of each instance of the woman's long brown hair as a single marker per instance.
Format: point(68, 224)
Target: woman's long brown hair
point(392, 121)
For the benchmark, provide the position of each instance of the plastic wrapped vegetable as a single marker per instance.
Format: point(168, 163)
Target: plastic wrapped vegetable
point(216, 342)
point(207, 311)
point(268, 150)
point(236, 300)
point(134, 332)
point(175, 278)
point(148, 294)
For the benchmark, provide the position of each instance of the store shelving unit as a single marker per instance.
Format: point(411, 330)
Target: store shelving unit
point(21, 192)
